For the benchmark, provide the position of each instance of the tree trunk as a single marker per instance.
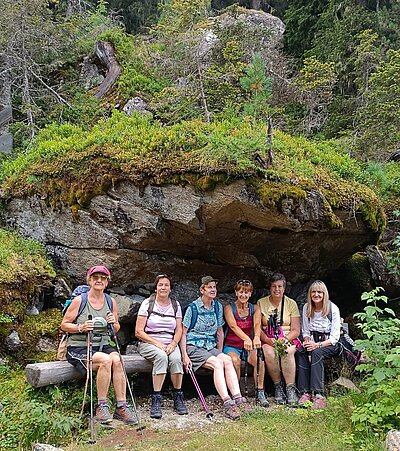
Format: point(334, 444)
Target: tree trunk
point(105, 53)
point(56, 372)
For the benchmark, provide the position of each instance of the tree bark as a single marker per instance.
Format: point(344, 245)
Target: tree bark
point(56, 372)
point(106, 54)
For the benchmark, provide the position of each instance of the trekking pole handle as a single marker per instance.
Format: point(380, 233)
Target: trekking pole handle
point(111, 326)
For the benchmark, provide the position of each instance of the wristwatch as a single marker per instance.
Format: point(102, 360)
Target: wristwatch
point(320, 344)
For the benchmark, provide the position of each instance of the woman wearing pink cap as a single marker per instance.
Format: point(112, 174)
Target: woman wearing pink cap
point(102, 312)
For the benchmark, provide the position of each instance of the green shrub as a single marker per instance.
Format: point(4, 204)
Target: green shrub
point(378, 406)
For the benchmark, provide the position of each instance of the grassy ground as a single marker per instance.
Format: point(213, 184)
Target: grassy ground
point(281, 428)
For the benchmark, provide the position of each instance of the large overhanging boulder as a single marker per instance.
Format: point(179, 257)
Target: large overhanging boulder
point(227, 232)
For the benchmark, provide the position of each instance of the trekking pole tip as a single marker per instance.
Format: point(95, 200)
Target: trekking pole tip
point(209, 415)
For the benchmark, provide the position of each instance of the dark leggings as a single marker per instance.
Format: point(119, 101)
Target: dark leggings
point(311, 371)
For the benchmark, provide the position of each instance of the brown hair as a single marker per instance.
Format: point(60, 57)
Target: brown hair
point(243, 283)
point(162, 276)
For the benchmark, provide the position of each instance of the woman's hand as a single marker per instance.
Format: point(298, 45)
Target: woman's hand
point(187, 363)
point(310, 345)
point(161, 346)
point(256, 342)
point(110, 318)
point(171, 348)
point(247, 344)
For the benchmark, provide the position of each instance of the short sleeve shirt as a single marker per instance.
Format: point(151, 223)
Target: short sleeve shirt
point(161, 328)
point(204, 332)
point(290, 310)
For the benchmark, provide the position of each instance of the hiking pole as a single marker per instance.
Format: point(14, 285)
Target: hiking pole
point(209, 414)
point(90, 338)
point(246, 371)
point(140, 428)
point(260, 356)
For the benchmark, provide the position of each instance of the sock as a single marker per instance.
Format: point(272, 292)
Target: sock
point(121, 403)
point(102, 402)
point(157, 392)
point(237, 396)
point(177, 390)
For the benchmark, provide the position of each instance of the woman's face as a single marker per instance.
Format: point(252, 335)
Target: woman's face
point(243, 295)
point(163, 287)
point(98, 281)
point(277, 289)
point(209, 291)
point(317, 296)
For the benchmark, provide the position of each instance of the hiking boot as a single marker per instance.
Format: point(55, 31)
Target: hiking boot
point(304, 398)
point(319, 402)
point(231, 410)
point(240, 400)
point(179, 403)
point(155, 409)
point(103, 414)
point(291, 392)
point(260, 398)
point(279, 394)
point(125, 414)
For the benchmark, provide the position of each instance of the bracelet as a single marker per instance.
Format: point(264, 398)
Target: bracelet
point(79, 328)
point(320, 344)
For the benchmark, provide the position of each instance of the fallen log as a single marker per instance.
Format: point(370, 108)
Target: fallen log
point(56, 372)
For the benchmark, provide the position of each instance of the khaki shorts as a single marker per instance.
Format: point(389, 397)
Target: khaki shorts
point(199, 356)
point(162, 362)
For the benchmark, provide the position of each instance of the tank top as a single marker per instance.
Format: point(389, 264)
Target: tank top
point(100, 332)
point(246, 324)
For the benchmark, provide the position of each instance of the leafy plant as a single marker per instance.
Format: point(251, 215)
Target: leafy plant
point(378, 407)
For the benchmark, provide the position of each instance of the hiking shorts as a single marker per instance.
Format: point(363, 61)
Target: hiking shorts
point(238, 351)
point(76, 356)
point(199, 356)
point(162, 362)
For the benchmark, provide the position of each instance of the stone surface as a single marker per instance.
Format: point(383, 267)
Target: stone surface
point(13, 341)
point(136, 104)
point(45, 447)
point(46, 344)
point(228, 233)
point(393, 440)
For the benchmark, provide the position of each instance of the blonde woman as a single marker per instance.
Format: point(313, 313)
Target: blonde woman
point(321, 333)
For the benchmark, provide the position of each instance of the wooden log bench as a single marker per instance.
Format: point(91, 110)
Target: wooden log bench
point(56, 372)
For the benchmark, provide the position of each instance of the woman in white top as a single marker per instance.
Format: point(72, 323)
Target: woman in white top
point(321, 333)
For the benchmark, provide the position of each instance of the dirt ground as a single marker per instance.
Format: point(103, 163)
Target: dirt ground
point(124, 437)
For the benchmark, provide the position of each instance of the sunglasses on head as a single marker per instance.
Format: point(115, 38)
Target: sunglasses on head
point(101, 277)
point(244, 282)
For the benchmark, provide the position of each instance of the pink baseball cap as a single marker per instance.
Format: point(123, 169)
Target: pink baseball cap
point(101, 269)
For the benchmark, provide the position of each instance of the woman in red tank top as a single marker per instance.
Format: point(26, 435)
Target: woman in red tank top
point(243, 335)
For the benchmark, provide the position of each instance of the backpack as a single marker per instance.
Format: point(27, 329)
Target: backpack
point(195, 313)
point(234, 311)
point(82, 291)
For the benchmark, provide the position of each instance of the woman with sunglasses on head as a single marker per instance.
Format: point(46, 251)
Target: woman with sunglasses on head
point(105, 358)
point(159, 329)
point(321, 333)
point(281, 321)
point(242, 340)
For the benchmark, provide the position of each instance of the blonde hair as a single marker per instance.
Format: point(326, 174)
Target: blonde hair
point(318, 285)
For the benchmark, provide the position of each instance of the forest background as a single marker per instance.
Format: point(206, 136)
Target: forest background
point(333, 85)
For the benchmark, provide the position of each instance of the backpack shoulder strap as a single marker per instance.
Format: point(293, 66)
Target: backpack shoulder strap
point(194, 311)
point(84, 300)
point(251, 309)
point(174, 306)
point(330, 312)
point(234, 310)
point(109, 302)
point(282, 308)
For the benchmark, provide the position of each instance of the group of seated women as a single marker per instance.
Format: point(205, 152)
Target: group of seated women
point(174, 343)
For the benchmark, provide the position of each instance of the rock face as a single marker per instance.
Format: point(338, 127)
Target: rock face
point(227, 232)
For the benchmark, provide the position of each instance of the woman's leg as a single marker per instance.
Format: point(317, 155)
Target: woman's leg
point(317, 376)
point(272, 364)
point(303, 365)
point(102, 364)
point(217, 365)
point(231, 378)
point(236, 360)
point(288, 364)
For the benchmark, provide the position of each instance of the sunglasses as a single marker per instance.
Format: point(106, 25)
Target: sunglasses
point(244, 282)
point(98, 277)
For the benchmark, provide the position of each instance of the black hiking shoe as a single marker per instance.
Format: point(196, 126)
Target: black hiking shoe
point(260, 398)
point(125, 414)
point(292, 397)
point(179, 403)
point(279, 393)
point(155, 409)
